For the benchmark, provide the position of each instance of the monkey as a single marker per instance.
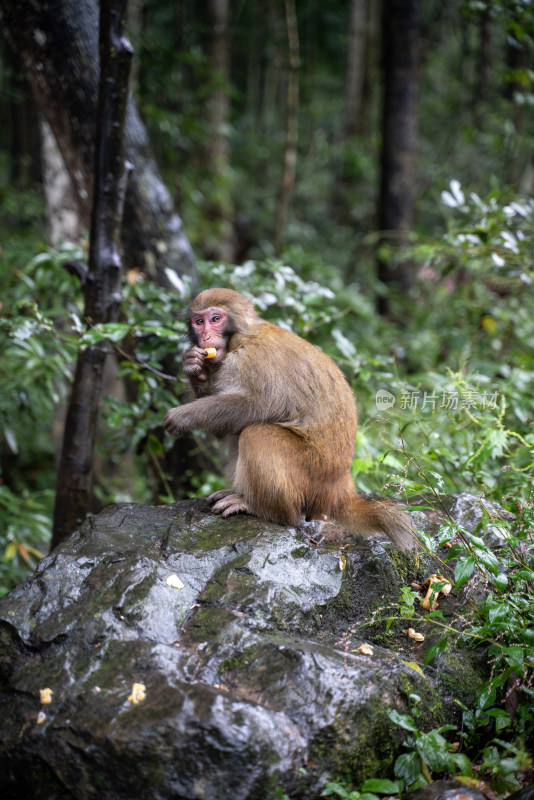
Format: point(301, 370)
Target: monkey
point(288, 414)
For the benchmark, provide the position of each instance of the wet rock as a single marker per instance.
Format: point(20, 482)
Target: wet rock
point(252, 682)
point(446, 790)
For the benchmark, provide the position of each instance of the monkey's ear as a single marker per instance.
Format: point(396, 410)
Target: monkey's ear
point(250, 314)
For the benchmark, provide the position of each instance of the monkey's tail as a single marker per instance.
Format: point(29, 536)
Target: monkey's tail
point(362, 516)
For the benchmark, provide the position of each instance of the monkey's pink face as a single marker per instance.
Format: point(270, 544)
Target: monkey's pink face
point(209, 327)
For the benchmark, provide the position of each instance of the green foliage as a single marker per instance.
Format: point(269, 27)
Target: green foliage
point(427, 752)
point(25, 526)
point(496, 575)
point(371, 789)
point(430, 756)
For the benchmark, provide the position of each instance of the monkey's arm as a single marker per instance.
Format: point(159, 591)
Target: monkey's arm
point(221, 414)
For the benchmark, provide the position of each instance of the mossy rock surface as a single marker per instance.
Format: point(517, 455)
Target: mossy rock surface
point(252, 679)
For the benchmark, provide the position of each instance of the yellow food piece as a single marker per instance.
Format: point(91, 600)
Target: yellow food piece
point(211, 352)
point(445, 590)
point(175, 582)
point(414, 635)
point(138, 693)
point(46, 696)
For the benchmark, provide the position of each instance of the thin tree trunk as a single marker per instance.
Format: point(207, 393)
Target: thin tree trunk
point(292, 110)
point(102, 288)
point(518, 63)
point(343, 181)
point(365, 122)
point(217, 116)
point(399, 131)
point(355, 67)
point(483, 87)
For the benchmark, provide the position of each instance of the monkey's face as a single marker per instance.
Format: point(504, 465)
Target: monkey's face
point(209, 328)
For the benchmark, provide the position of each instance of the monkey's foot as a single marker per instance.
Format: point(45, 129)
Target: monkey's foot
point(213, 498)
point(227, 504)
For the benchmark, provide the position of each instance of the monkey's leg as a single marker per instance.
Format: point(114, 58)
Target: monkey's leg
point(270, 473)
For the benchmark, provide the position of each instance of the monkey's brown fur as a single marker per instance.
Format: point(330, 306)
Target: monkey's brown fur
point(290, 418)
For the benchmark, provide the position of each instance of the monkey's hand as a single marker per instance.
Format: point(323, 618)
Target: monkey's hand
point(176, 420)
point(194, 364)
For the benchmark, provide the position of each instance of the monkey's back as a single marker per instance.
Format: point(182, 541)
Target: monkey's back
point(294, 385)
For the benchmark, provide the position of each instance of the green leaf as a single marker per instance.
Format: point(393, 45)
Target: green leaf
point(497, 441)
point(382, 786)
point(462, 764)
point(434, 649)
point(476, 541)
point(489, 560)
point(469, 720)
point(500, 581)
point(335, 789)
point(463, 570)
point(433, 749)
point(405, 721)
point(524, 573)
point(486, 697)
point(408, 768)
point(514, 656)
point(502, 720)
point(496, 609)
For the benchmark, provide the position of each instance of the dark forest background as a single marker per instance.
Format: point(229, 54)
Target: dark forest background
point(363, 169)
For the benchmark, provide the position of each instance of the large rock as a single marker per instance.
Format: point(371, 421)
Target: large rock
point(253, 682)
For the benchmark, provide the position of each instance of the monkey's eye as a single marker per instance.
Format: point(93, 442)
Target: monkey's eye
point(216, 318)
point(198, 322)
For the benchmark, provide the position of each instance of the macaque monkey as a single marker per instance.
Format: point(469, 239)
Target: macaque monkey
point(289, 417)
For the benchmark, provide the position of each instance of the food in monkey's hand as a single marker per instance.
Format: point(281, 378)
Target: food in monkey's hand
point(289, 416)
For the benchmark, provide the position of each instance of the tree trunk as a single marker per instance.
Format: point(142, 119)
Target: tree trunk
point(57, 42)
point(519, 65)
point(292, 110)
point(61, 210)
point(483, 87)
point(365, 123)
point(102, 287)
point(355, 67)
point(217, 110)
point(399, 130)
point(343, 180)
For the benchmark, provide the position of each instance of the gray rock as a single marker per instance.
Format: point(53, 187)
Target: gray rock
point(445, 790)
point(253, 682)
